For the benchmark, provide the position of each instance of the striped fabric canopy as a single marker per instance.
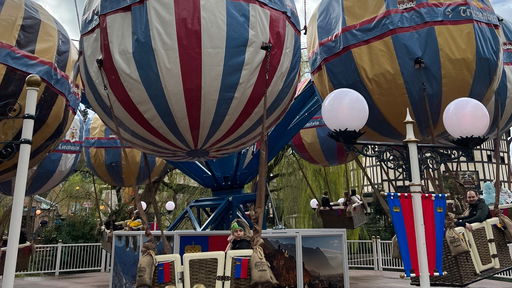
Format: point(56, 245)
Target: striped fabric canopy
point(402, 54)
point(314, 145)
point(57, 166)
point(186, 79)
point(115, 163)
point(500, 108)
point(32, 41)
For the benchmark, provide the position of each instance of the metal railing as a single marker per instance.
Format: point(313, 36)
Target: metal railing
point(376, 254)
point(58, 258)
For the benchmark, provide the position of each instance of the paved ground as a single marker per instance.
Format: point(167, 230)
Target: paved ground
point(358, 279)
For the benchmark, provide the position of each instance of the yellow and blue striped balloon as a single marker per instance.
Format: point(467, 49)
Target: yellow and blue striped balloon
point(314, 145)
point(57, 166)
point(115, 163)
point(500, 109)
point(33, 42)
point(416, 54)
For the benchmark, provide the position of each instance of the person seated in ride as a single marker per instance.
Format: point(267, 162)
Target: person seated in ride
point(478, 211)
point(326, 202)
point(356, 199)
point(240, 237)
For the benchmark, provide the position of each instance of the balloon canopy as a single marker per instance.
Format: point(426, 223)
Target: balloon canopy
point(115, 164)
point(57, 166)
point(406, 54)
point(33, 42)
point(500, 108)
point(186, 80)
point(314, 145)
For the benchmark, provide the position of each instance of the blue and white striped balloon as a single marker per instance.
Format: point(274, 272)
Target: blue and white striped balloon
point(186, 79)
point(57, 166)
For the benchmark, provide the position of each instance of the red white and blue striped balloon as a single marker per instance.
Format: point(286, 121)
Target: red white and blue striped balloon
point(57, 166)
point(500, 108)
point(186, 79)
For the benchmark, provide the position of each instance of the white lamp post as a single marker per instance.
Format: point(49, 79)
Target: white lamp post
point(33, 83)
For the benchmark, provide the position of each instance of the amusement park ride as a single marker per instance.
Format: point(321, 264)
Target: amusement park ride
point(209, 87)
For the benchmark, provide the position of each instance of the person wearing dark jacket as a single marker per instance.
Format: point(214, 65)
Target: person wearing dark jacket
point(478, 211)
point(239, 238)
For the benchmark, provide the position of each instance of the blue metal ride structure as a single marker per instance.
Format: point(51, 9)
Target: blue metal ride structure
point(227, 176)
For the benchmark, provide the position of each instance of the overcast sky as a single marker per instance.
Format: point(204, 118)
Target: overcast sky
point(65, 12)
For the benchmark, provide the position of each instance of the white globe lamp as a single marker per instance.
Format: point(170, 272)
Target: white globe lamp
point(313, 203)
point(169, 206)
point(345, 109)
point(466, 117)
point(144, 205)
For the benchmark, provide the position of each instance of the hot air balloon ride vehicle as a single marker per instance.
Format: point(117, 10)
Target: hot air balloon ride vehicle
point(200, 94)
point(314, 145)
point(421, 56)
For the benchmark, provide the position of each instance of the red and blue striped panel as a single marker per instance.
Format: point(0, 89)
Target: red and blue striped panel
point(33, 42)
point(164, 272)
point(372, 46)
point(500, 108)
point(241, 269)
point(57, 166)
point(187, 78)
point(314, 145)
point(115, 164)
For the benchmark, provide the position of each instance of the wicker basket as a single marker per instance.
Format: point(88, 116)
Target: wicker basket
point(460, 269)
point(203, 271)
point(337, 218)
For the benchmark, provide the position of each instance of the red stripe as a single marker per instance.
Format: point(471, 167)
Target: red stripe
point(394, 32)
point(430, 230)
point(188, 34)
point(341, 152)
point(118, 89)
point(167, 271)
point(407, 213)
point(507, 63)
point(277, 34)
point(34, 58)
point(383, 15)
point(300, 148)
point(244, 262)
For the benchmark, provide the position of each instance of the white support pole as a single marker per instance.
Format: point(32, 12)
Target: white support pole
point(415, 187)
point(33, 83)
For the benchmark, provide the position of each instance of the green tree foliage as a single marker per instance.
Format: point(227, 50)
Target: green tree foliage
point(74, 229)
point(293, 195)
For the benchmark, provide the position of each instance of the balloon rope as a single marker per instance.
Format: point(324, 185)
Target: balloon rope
point(262, 171)
point(306, 178)
point(327, 183)
point(305, 19)
point(77, 16)
point(99, 62)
